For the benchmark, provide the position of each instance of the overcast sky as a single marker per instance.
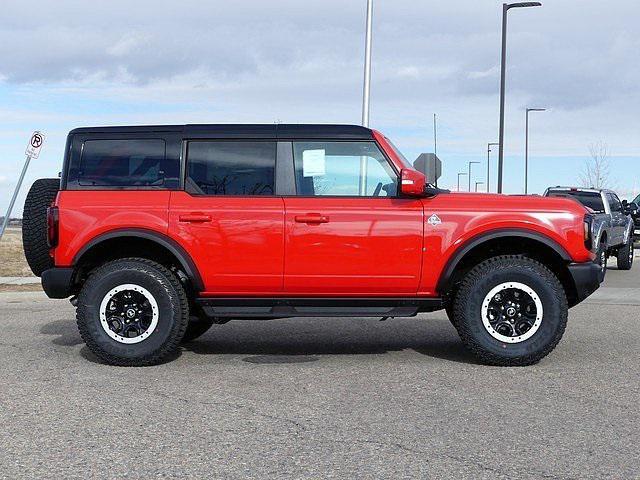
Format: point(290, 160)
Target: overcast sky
point(67, 63)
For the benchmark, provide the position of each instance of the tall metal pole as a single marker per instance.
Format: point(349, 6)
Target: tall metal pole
point(526, 147)
point(489, 145)
point(470, 163)
point(503, 61)
point(366, 93)
point(503, 65)
point(367, 66)
point(478, 183)
point(5, 223)
point(459, 174)
point(435, 135)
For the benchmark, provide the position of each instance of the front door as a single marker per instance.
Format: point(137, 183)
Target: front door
point(347, 231)
point(229, 218)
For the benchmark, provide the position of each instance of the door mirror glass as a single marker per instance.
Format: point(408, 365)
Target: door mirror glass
point(412, 183)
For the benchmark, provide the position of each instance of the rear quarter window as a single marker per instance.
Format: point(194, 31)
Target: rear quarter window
point(126, 163)
point(591, 200)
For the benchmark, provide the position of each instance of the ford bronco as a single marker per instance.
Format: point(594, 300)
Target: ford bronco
point(157, 233)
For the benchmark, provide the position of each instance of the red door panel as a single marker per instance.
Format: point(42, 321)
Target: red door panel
point(237, 243)
point(353, 246)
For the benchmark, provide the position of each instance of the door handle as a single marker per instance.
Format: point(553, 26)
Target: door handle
point(194, 218)
point(312, 218)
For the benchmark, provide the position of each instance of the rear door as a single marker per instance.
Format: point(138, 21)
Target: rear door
point(229, 218)
point(347, 230)
point(618, 218)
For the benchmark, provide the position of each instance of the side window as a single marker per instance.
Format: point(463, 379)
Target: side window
point(614, 202)
point(126, 163)
point(343, 169)
point(231, 168)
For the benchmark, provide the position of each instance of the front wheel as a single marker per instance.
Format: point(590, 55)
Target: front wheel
point(510, 311)
point(132, 312)
point(625, 255)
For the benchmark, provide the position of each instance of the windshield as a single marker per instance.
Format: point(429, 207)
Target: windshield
point(402, 158)
point(636, 200)
point(592, 200)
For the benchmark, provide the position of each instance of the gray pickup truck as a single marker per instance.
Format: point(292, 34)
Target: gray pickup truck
point(611, 222)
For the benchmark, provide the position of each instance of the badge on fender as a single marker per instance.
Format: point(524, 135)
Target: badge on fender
point(434, 220)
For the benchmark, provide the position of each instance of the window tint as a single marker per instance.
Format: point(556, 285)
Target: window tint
point(591, 200)
point(343, 169)
point(123, 163)
point(232, 168)
point(614, 203)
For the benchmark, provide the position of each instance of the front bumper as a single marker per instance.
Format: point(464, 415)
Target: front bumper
point(587, 277)
point(58, 282)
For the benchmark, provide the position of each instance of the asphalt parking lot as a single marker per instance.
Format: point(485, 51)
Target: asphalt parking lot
point(323, 398)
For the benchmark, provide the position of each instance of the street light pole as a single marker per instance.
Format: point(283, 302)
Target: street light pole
point(503, 63)
point(471, 163)
point(366, 93)
point(526, 147)
point(489, 145)
point(478, 183)
point(459, 175)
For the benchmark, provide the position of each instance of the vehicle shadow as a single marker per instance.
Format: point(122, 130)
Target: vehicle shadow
point(305, 340)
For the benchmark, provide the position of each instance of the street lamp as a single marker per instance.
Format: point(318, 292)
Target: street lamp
point(459, 175)
point(526, 147)
point(478, 183)
point(505, 9)
point(366, 92)
point(489, 145)
point(471, 163)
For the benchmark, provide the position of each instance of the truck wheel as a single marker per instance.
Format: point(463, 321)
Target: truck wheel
point(511, 311)
point(34, 224)
point(132, 312)
point(625, 255)
point(196, 328)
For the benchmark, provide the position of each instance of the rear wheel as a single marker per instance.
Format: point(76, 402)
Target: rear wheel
point(510, 311)
point(34, 224)
point(625, 255)
point(132, 312)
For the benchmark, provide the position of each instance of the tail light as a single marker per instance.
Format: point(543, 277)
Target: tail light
point(588, 231)
point(53, 221)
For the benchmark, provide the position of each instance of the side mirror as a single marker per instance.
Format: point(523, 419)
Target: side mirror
point(412, 183)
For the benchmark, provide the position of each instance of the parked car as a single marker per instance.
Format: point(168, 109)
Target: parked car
point(157, 233)
point(635, 214)
point(612, 225)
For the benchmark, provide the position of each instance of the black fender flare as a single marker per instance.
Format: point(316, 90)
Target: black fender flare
point(186, 262)
point(466, 247)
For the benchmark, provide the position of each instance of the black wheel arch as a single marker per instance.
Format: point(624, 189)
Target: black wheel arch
point(500, 242)
point(149, 237)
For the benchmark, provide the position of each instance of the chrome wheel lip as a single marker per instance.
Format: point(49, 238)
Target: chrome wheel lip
point(154, 312)
point(485, 312)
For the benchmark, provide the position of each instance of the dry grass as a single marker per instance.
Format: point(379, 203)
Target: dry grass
point(12, 261)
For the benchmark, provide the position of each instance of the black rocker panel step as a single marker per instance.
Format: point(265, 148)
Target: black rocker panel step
point(317, 307)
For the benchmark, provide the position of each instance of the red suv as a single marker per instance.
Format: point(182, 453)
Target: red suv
point(156, 233)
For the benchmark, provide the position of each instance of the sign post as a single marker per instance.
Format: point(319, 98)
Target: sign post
point(33, 151)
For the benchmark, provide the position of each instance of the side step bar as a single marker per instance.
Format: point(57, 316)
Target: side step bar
point(317, 307)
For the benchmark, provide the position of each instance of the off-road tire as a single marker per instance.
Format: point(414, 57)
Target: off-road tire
point(196, 328)
point(34, 224)
point(625, 255)
point(468, 310)
point(173, 309)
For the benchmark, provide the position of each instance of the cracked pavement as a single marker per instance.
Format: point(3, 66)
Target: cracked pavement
point(322, 398)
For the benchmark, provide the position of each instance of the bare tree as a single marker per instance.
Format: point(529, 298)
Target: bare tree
point(596, 171)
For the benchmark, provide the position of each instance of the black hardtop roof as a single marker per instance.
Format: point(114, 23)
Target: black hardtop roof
point(273, 131)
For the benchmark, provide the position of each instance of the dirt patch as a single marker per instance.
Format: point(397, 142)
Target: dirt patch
point(20, 288)
point(12, 261)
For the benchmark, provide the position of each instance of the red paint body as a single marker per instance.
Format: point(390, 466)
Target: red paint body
point(317, 246)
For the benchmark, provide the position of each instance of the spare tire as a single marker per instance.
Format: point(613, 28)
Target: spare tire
point(34, 224)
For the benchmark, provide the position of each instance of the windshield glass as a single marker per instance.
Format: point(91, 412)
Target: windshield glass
point(592, 200)
point(402, 158)
point(636, 200)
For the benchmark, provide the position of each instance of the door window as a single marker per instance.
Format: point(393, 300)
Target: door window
point(614, 202)
point(343, 169)
point(231, 168)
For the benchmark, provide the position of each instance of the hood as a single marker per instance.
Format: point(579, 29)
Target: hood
point(521, 203)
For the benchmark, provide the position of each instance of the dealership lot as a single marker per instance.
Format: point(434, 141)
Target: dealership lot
point(323, 398)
